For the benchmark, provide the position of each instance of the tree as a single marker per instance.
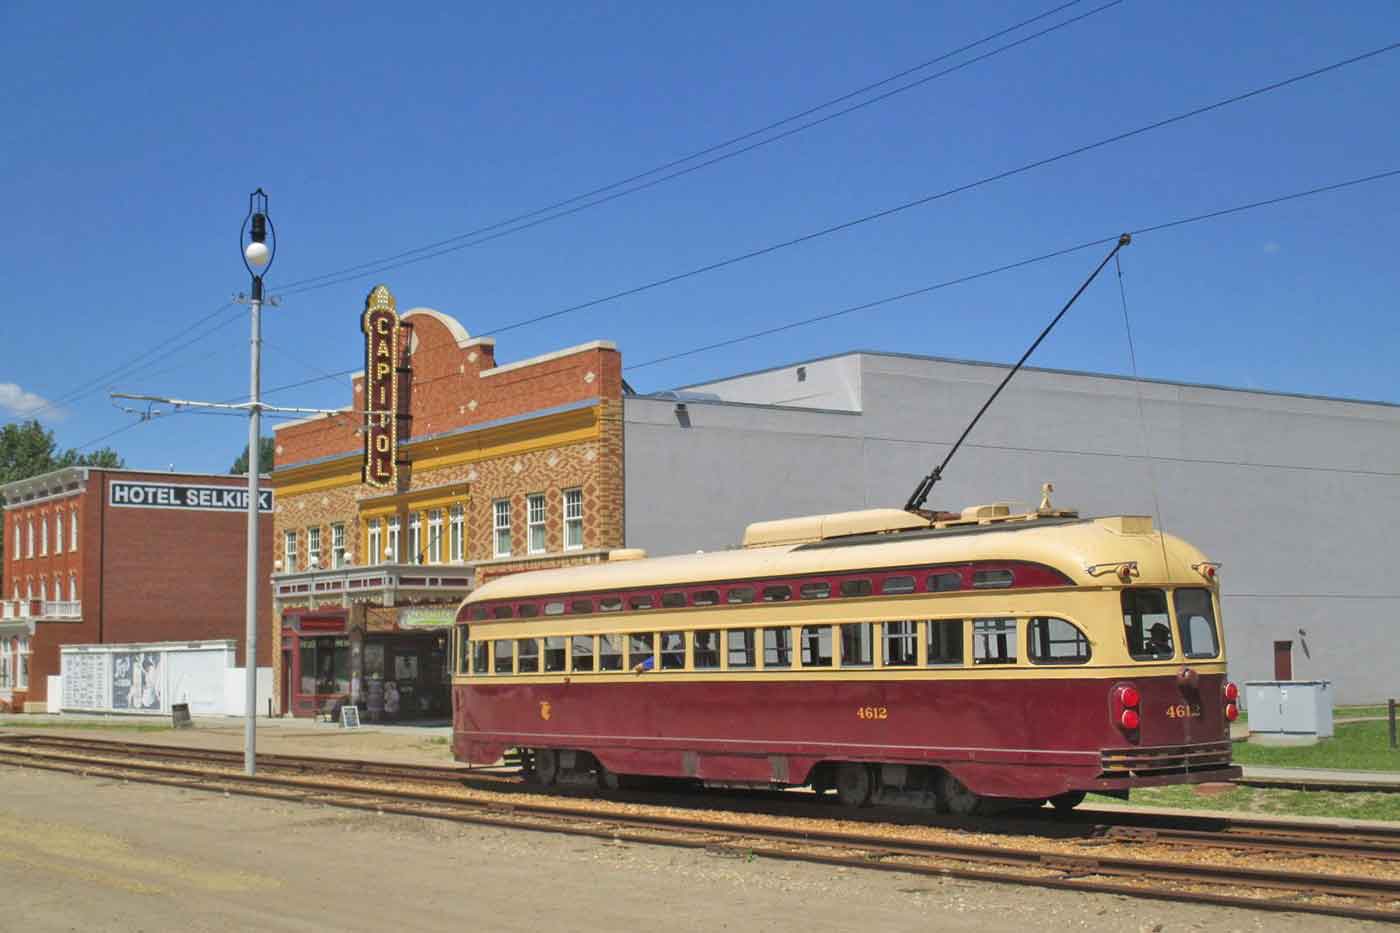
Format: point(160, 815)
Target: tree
point(266, 449)
point(28, 449)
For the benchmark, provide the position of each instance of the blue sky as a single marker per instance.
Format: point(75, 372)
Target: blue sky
point(132, 135)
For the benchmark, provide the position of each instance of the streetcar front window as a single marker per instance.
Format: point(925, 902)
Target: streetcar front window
point(480, 650)
point(1196, 620)
point(464, 658)
point(1147, 625)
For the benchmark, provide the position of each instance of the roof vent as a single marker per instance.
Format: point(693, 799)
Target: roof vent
point(977, 513)
point(626, 553)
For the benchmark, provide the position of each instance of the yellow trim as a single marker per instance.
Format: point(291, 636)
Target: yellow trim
point(557, 430)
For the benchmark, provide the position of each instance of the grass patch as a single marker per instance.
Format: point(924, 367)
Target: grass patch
point(1358, 746)
point(30, 722)
point(1268, 802)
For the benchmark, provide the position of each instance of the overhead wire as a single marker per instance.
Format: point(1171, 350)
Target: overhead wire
point(375, 265)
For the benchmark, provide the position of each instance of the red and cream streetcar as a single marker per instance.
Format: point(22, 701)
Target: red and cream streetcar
point(1025, 657)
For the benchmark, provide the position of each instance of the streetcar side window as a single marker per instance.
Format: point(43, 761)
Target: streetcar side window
point(740, 594)
point(994, 641)
point(706, 650)
point(855, 587)
point(478, 613)
point(527, 610)
point(673, 600)
point(641, 651)
point(942, 582)
point(704, 598)
point(741, 647)
point(582, 652)
point(672, 651)
point(554, 608)
point(581, 606)
point(641, 601)
point(896, 585)
point(945, 641)
point(527, 655)
point(1196, 619)
point(901, 644)
point(609, 652)
point(777, 647)
point(1055, 641)
point(464, 654)
point(610, 604)
point(777, 594)
point(820, 590)
point(816, 646)
point(858, 644)
point(502, 612)
point(480, 650)
point(1147, 625)
point(990, 579)
point(554, 653)
point(505, 656)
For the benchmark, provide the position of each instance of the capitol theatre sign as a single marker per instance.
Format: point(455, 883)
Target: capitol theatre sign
point(381, 327)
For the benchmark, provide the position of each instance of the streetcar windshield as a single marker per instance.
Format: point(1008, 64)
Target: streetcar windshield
point(1147, 625)
point(1196, 620)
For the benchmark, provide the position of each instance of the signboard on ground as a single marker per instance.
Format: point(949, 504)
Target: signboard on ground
point(350, 716)
point(180, 716)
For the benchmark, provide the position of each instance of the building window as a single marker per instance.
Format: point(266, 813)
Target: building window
point(457, 533)
point(58, 587)
point(313, 547)
point(4, 662)
point(44, 590)
point(289, 551)
point(325, 665)
point(23, 682)
point(501, 526)
point(435, 536)
point(58, 532)
point(73, 586)
point(373, 542)
point(73, 531)
point(338, 545)
point(43, 535)
point(536, 522)
point(392, 546)
point(29, 542)
point(415, 538)
point(17, 551)
point(573, 519)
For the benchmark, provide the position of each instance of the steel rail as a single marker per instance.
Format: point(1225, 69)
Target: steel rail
point(1073, 871)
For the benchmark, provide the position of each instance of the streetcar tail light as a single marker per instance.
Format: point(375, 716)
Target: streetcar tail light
point(1126, 700)
point(1232, 693)
point(1232, 712)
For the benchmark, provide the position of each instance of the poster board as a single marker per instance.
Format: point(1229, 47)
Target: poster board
point(350, 716)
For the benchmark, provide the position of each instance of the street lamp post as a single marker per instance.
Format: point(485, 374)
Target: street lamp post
point(257, 257)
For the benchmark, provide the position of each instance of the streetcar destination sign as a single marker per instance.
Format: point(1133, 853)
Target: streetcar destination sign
point(129, 494)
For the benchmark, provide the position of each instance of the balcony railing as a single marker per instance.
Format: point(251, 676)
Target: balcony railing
point(377, 583)
point(41, 609)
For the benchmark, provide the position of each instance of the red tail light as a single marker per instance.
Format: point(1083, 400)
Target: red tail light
point(1129, 696)
point(1126, 699)
point(1232, 693)
point(1129, 719)
point(1232, 712)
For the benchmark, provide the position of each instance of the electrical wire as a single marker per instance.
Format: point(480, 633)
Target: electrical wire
point(374, 265)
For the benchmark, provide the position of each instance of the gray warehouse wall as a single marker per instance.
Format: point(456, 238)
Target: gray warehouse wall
point(1298, 497)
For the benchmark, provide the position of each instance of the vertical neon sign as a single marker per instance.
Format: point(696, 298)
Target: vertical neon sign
point(381, 327)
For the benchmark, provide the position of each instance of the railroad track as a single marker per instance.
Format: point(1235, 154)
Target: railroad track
point(1360, 895)
point(1125, 827)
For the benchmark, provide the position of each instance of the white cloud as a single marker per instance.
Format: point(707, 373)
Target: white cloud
point(15, 401)
point(1272, 247)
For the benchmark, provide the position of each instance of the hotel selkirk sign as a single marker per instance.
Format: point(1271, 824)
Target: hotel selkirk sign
point(381, 327)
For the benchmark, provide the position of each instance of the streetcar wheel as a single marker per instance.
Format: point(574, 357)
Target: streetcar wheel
point(854, 784)
point(607, 780)
point(956, 798)
point(1067, 801)
point(546, 766)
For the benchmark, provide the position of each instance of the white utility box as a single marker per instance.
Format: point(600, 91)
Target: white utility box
point(1289, 712)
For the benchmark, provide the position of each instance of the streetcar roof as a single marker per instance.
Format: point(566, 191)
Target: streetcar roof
point(1074, 546)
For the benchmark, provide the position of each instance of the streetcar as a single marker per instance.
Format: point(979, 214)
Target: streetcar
point(964, 660)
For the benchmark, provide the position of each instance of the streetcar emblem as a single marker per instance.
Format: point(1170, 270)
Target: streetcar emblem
point(545, 711)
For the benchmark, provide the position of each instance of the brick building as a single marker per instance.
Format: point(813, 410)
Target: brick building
point(98, 556)
point(446, 469)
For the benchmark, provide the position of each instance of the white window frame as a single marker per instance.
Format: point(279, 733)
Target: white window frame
point(500, 527)
point(313, 547)
point(73, 531)
point(534, 523)
point(43, 588)
point(73, 586)
point(22, 664)
point(573, 521)
point(58, 587)
point(58, 531)
point(457, 533)
point(337, 545)
point(18, 549)
point(435, 536)
point(391, 539)
point(4, 662)
point(415, 537)
point(43, 535)
point(29, 549)
point(289, 551)
point(374, 542)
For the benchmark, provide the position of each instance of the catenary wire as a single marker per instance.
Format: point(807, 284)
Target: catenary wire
point(297, 285)
point(948, 192)
point(1063, 251)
